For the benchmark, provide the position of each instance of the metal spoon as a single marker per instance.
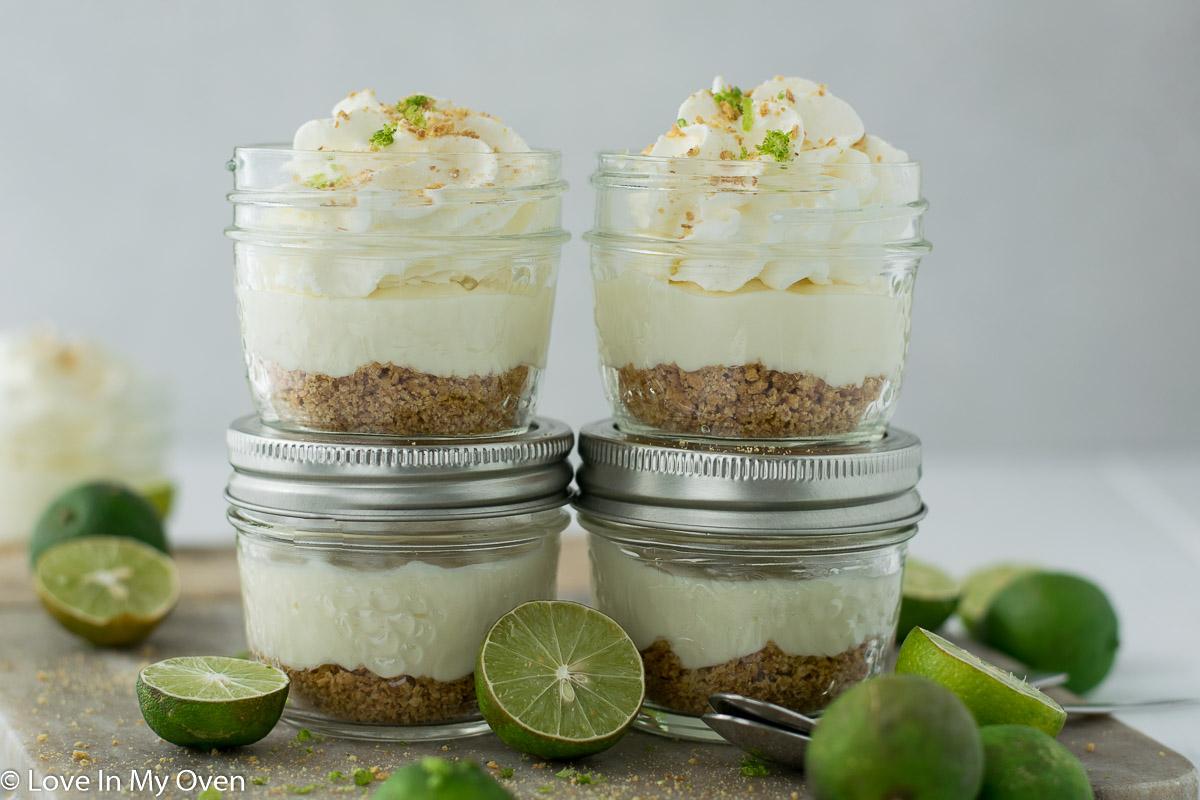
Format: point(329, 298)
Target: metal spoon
point(779, 734)
point(760, 739)
point(736, 705)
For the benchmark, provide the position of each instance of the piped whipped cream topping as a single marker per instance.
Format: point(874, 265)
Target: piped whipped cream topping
point(422, 167)
point(467, 141)
point(782, 121)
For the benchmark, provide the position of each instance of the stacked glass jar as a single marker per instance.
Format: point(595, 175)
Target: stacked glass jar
point(396, 493)
point(748, 507)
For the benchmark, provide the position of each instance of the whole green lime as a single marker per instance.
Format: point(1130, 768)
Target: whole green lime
point(895, 736)
point(1055, 622)
point(1021, 763)
point(438, 779)
point(100, 508)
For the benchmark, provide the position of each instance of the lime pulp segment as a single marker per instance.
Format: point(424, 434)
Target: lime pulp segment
point(562, 671)
point(213, 678)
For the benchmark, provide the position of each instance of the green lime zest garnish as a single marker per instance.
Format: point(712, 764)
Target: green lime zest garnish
point(383, 137)
point(319, 181)
point(754, 768)
point(778, 145)
point(681, 122)
point(747, 113)
point(412, 108)
point(730, 94)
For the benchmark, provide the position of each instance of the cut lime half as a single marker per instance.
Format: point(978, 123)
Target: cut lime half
point(929, 597)
point(211, 701)
point(558, 679)
point(108, 589)
point(981, 587)
point(995, 697)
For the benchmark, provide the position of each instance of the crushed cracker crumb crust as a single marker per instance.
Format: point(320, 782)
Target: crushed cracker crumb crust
point(803, 683)
point(743, 401)
point(389, 399)
point(362, 696)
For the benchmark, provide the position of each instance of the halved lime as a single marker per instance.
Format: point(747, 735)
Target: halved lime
point(982, 586)
point(929, 597)
point(211, 701)
point(108, 589)
point(558, 679)
point(995, 697)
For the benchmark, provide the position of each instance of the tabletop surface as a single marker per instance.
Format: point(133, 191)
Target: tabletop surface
point(68, 710)
point(1129, 521)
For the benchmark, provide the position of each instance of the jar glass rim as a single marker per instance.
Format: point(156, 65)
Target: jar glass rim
point(620, 157)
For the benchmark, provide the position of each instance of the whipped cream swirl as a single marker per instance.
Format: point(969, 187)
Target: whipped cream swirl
point(772, 155)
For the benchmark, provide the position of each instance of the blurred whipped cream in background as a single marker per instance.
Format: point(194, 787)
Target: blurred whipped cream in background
point(72, 411)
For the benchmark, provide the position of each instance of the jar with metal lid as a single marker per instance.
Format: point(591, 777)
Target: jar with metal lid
point(372, 571)
point(770, 572)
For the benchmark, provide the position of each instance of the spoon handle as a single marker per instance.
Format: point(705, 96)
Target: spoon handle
point(1093, 709)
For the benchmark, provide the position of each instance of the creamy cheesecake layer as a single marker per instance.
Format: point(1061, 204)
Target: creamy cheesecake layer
point(842, 334)
point(414, 619)
point(709, 620)
point(444, 330)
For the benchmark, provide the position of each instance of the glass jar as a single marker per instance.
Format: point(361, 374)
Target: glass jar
point(754, 300)
point(371, 574)
point(774, 574)
point(393, 293)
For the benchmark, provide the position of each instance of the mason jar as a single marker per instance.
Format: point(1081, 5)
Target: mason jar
point(372, 572)
point(773, 573)
point(755, 300)
point(396, 293)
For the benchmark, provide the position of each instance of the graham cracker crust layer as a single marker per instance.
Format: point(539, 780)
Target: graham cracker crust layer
point(744, 401)
point(803, 683)
point(362, 696)
point(387, 399)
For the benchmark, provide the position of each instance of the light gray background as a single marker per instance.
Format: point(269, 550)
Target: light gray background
point(1059, 142)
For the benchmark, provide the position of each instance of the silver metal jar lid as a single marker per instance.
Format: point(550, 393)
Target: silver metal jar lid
point(722, 488)
point(353, 477)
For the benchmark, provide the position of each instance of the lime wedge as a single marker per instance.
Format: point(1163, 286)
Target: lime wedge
point(929, 598)
point(981, 587)
point(211, 701)
point(995, 697)
point(558, 679)
point(161, 495)
point(108, 589)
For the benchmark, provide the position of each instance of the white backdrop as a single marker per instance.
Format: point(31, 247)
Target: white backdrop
point(1059, 142)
